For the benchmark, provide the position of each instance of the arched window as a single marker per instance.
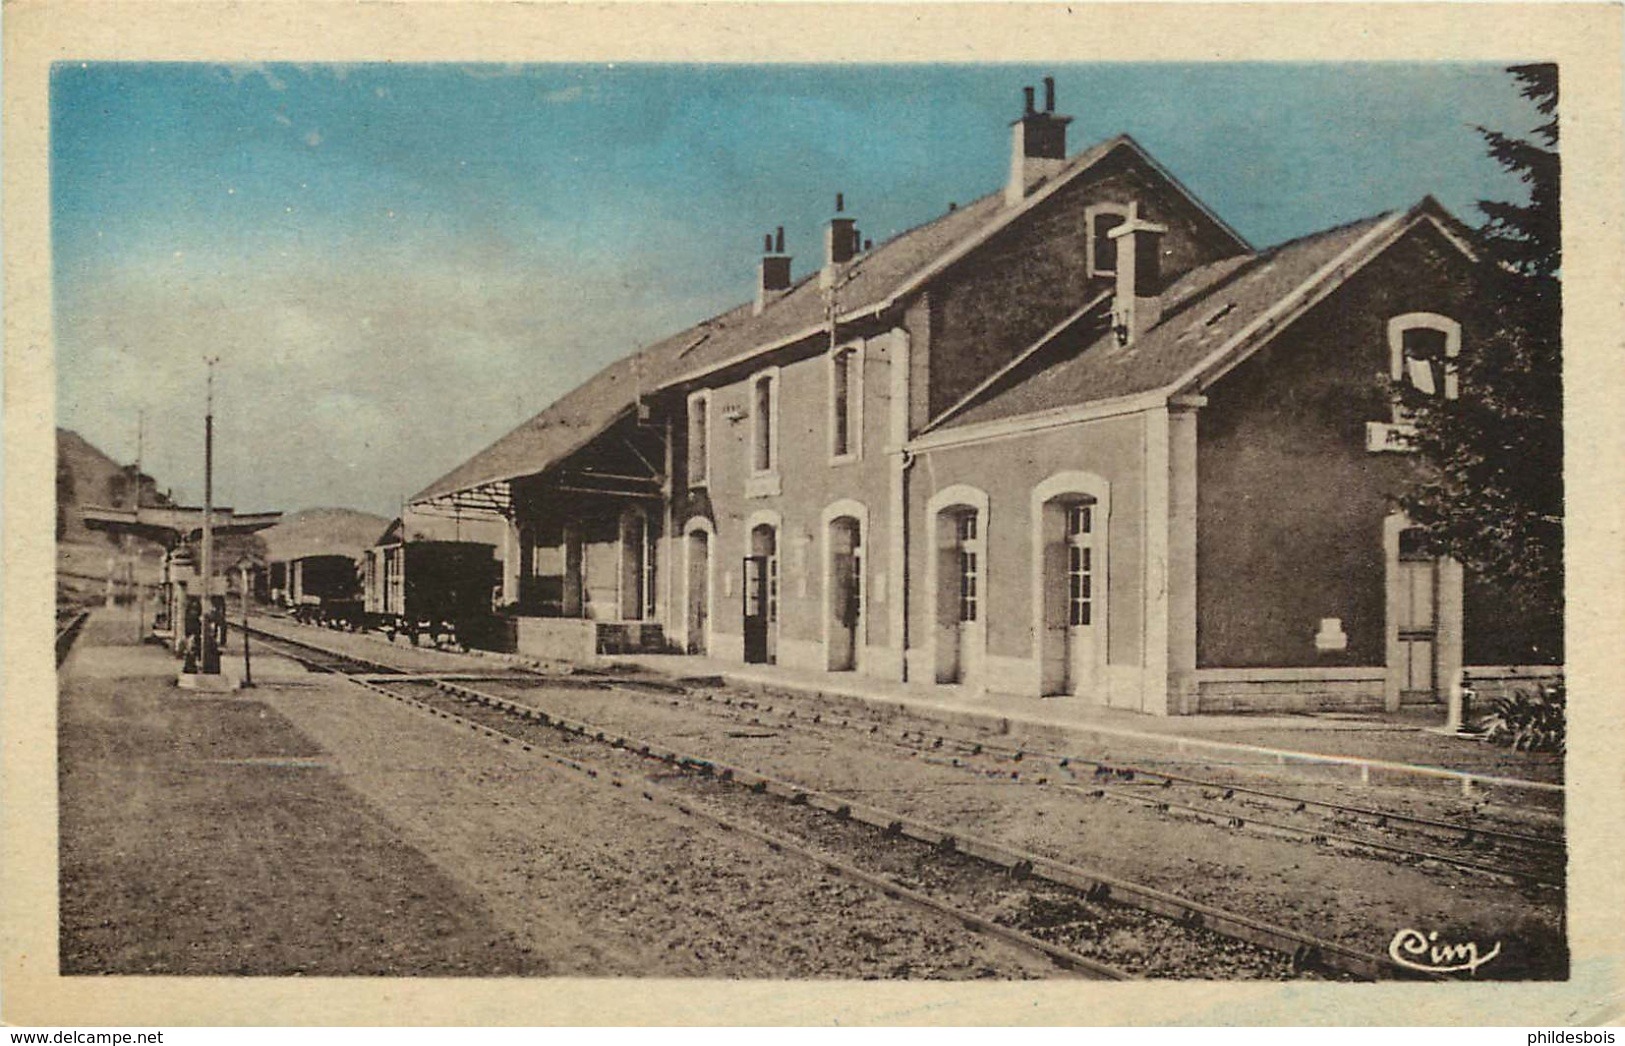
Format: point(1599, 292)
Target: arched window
point(699, 438)
point(1070, 518)
point(764, 440)
point(957, 580)
point(968, 546)
point(1422, 351)
point(846, 403)
point(763, 480)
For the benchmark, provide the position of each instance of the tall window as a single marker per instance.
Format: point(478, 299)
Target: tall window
point(773, 588)
point(764, 423)
point(1080, 565)
point(846, 402)
point(699, 439)
point(969, 546)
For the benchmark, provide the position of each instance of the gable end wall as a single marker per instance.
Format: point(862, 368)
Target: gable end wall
point(1290, 503)
point(1012, 290)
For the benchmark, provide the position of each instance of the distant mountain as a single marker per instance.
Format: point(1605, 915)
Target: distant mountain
point(85, 475)
point(322, 532)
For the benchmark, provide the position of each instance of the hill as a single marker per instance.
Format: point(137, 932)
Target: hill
point(322, 531)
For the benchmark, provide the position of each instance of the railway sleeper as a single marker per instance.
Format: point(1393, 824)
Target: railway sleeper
point(1096, 887)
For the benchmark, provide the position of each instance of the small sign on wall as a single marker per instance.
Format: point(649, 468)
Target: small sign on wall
point(1331, 635)
point(1390, 437)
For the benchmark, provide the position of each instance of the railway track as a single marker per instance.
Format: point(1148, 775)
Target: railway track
point(1082, 920)
point(320, 659)
point(1532, 861)
point(67, 630)
point(1480, 849)
point(1476, 848)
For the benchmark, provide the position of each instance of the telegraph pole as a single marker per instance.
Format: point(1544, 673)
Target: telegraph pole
point(248, 675)
point(211, 652)
point(135, 575)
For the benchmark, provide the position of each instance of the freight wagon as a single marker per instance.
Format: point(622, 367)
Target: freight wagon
point(325, 590)
point(439, 589)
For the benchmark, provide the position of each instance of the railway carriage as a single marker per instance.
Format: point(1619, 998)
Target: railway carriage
point(439, 589)
point(325, 590)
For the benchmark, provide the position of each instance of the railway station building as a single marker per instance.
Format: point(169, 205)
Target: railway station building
point(1077, 437)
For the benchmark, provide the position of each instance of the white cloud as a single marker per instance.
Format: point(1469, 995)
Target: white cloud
point(313, 138)
point(239, 71)
point(281, 119)
point(563, 95)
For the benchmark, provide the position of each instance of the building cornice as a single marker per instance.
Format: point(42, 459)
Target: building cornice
point(1026, 424)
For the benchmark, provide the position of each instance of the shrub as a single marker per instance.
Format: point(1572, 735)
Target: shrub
point(1529, 720)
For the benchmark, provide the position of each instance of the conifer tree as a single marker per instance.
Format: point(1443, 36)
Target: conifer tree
point(1488, 489)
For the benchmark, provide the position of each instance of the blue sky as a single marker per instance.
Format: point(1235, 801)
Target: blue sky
point(398, 263)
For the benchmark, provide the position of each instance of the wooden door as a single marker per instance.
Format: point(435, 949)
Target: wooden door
point(756, 609)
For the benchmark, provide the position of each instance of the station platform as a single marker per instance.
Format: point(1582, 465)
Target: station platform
point(1405, 744)
point(1374, 747)
point(113, 646)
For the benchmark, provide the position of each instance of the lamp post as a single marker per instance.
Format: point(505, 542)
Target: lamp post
point(211, 651)
point(244, 566)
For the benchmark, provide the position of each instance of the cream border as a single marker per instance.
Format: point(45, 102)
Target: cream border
point(1584, 38)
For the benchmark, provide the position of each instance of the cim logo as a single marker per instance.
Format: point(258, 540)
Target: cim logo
point(1419, 951)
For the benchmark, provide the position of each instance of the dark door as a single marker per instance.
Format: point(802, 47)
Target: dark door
point(756, 609)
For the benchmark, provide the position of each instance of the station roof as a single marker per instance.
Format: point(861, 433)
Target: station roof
point(171, 524)
point(1208, 316)
point(875, 281)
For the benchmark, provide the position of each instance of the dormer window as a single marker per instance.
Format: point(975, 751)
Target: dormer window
point(846, 403)
point(1100, 220)
point(1422, 351)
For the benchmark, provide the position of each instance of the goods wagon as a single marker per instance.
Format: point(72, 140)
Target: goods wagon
point(438, 589)
point(325, 590)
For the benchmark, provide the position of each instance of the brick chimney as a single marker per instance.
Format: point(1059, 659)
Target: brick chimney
point(1037, 144)
point(774, 279)
point(841, 243)
point(1137, 303)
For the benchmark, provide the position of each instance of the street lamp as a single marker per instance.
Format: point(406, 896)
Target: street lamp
point(211, 651)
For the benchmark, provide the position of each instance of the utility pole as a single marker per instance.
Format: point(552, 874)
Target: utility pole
point(211, 652)
point(248, 675)
point(139, 559)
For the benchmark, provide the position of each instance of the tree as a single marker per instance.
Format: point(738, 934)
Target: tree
point(1488, 489)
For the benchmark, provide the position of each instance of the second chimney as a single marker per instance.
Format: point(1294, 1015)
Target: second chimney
point(775, 271)
point(840, 242)
point(1137, 302)
point(1037, 145)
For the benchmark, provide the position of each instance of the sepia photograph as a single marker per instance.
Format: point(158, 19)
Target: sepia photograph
point(978, 519)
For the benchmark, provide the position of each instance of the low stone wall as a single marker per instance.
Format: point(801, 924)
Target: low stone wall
point(575, 639)
point(630, 637)
point(1494, 681)
point(1289, 690)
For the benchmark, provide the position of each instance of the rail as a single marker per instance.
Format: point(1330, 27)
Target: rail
point(67, 633)
point(1064, 958)
point(1305, 950)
